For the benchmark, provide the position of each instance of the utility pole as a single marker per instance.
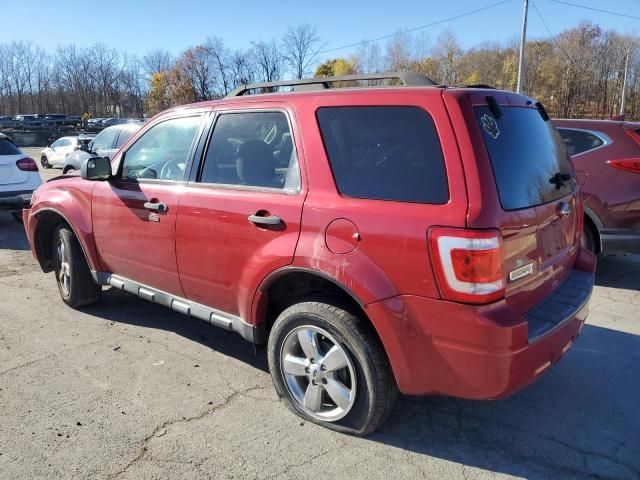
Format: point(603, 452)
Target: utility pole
point(523, 39)
point(623, 100)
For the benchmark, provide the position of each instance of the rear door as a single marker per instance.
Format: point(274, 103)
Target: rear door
point(537, 192)
point(239, 217)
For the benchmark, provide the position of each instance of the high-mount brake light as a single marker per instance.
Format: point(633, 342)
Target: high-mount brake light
point(468, 264)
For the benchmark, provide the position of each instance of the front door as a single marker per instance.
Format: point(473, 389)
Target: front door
point(240, 217)
point(134, 215)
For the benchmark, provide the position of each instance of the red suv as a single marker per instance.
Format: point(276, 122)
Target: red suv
point(606, 154)
point(411, 238)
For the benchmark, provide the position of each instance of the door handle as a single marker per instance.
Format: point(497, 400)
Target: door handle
point(270, 221)
point(155, 206)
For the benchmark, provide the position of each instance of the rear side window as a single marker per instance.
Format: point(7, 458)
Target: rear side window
point(529, 159)
point(385, 153)
point(8, 148)
point(579, 141)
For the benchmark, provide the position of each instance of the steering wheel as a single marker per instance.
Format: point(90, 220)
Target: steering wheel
point(173, 170)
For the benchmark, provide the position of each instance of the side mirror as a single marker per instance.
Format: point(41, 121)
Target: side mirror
point(97, 169)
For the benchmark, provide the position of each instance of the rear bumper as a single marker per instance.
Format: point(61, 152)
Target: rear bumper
point(620, 241)
point(15, 200)
point(475, 352)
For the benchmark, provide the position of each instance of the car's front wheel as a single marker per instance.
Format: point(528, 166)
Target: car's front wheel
point(73, 275)
point(330, 368)
point(68, 170)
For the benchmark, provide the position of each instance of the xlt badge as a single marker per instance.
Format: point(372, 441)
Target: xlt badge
point(518, 273)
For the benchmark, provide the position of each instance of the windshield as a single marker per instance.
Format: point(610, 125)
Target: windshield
point(529, 160)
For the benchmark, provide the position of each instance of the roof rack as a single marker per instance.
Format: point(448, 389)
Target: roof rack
point(408, 79)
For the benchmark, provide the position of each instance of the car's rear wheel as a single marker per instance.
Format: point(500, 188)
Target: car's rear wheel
point(44, 161)
point(17, 216)
point(330, 368)
point(68, 170)
point(73, 276)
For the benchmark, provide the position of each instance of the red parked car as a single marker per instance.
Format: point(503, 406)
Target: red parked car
point(411, 238)
point(607, 154)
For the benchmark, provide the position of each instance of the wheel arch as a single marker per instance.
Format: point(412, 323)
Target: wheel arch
point(592, 220)
point(291, 285)
point(48, 220)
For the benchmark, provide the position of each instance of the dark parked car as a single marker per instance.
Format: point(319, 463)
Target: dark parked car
point(606, 154)
point(105, 144)
point(426, 239)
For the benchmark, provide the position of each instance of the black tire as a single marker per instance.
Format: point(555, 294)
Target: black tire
point(588, 239)
point(17, 216)
point(44, 161)
point(376, 390)
point(68, 170)
point(80, 290)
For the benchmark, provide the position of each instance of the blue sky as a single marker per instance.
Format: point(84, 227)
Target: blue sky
point(142, 25)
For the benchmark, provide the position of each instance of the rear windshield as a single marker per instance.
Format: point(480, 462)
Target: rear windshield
point(384, 153)
point(8, 148)
point(529, 160)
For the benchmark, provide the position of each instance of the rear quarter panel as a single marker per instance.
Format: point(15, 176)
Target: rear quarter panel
point(611, 194)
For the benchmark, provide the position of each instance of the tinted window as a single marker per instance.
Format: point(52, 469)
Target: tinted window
point(125, 135)
point(58, 143)
point(385, 153)
point(105, 139)
point(162, 152)
point(527, 155)
point(253, 149)
point(8, 148)
point(579, 141)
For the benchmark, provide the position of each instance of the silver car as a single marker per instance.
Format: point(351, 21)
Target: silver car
point(105, 144)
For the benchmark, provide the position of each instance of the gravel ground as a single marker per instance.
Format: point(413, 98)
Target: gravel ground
point(127, 389)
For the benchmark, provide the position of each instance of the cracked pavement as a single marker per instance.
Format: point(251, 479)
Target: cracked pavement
point(129, 390)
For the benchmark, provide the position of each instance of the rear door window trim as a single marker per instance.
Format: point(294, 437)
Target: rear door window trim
point(606, 140)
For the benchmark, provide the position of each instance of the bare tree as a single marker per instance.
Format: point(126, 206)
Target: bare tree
point(158, 60)
point(300, 46)
point(267, 61)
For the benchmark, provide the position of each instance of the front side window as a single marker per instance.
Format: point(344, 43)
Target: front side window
point(579, 141)
point(162, 152)
point(385, 153)
point(58, 143)
point(104, 140)
point(253, 149)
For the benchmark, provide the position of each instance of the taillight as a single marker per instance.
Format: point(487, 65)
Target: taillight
point(627, 164)
point(27, 165)
point(468, 264)
point(634, 135)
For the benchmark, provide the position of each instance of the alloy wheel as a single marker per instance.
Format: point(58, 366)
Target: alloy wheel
point(318, 373)
point(64, 272)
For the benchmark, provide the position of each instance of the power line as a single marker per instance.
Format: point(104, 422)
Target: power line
point(596, 9)
point(455, 17)
point(552, 39)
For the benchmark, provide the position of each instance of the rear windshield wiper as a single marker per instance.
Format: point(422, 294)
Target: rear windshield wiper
point(559, 179)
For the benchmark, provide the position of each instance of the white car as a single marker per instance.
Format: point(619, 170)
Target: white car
point(54, 155)
point(19, 177)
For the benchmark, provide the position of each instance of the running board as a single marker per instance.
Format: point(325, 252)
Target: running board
point(251, 333)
